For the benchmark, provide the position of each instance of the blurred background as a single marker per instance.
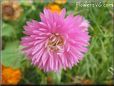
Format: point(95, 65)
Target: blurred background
point(95, 68)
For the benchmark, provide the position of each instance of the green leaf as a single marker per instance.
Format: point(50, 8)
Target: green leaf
point(7, 30)
point(11, 55)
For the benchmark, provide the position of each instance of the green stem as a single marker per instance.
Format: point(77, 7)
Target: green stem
point(54, 77)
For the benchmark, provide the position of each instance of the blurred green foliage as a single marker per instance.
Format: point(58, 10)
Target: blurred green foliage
point(96, 62)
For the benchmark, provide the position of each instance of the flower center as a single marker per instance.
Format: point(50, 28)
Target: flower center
point(8, 10)
point(55, 42)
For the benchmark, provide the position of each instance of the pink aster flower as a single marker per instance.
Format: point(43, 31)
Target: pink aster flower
point(56, 42)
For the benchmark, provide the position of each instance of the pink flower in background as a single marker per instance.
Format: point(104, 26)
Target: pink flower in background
point(56, 42)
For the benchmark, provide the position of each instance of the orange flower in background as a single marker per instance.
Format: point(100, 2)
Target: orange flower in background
point(60, 1)
point(10, 76)
point(54, 7)
point(11, 9)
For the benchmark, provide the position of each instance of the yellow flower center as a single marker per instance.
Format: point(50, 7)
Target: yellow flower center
point(8, 10)
point(55, 42)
